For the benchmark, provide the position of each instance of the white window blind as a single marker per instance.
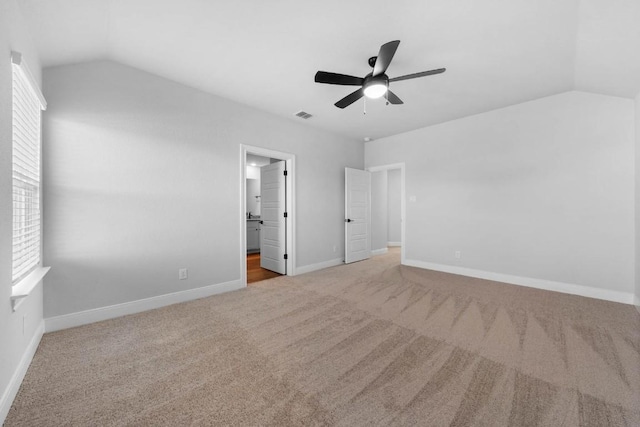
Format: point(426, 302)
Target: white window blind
point(27, 105)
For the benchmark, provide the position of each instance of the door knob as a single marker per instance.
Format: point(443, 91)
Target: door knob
point(348, 220)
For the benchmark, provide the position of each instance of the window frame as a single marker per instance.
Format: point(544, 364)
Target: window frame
point(28, 173)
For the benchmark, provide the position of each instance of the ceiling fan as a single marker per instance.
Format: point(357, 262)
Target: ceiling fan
point(376, 83)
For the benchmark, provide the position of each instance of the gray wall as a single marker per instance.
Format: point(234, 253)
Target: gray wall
point(379, 210)
point(542, 190)
point(637, 195)
point(142, 178)
point(14, 341)
point(394, 206)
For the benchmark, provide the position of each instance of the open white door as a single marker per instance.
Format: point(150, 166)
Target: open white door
point(357, 223)
point(273, 231)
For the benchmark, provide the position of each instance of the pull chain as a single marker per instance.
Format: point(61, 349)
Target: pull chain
point(365, 105)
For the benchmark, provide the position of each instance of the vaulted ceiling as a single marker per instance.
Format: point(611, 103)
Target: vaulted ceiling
point(265, 53)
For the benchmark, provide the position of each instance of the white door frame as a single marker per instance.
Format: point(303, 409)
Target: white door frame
point(403, 205)
point(290, 160)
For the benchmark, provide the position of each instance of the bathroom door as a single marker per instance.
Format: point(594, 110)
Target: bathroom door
point(273, 231)
point(357, 222)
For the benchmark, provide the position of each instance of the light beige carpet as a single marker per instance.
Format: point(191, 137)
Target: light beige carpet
point(371, 343)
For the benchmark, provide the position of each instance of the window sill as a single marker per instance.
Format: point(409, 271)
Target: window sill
point(21, 290)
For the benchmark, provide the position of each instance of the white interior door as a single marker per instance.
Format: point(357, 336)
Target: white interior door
point(357, 223)
point(273, 231)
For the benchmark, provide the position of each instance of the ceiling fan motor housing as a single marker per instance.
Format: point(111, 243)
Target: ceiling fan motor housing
point(379, 79)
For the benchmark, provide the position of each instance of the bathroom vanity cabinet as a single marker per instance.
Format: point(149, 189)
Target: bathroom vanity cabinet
point(253, 235)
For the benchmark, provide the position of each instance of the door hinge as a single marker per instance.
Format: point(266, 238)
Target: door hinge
point(285, 173)
point(286, 256)
point(285, 215)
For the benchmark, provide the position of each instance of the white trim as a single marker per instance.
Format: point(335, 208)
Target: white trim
point(567, 288)
point(290, 160)
point(319, 266)
point(18, 375)
point(16, 59)
point(385, 167)
point(21, 290)
point(393, 244)
point(380, 251)
point(403, 202)
point(103, 313)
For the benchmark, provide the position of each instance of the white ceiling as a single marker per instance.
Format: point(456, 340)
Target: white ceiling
point(265, 53)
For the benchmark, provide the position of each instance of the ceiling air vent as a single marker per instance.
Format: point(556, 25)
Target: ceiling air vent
point(303, 115)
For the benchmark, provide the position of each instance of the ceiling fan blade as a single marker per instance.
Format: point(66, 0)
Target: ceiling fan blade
point(393, 98)
point(338, 79)
point(416, 75)
point(385, 56)
point(350, 99)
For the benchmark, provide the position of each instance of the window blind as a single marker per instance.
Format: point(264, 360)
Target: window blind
point(26, 174)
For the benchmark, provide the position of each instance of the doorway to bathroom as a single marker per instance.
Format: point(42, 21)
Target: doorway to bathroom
point(267, 213)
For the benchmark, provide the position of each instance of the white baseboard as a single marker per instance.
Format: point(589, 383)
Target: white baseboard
point(319, 266)
point(103, 313)
point(567, 288)
point(394, 243)
point(16, 379)
point(379, 251)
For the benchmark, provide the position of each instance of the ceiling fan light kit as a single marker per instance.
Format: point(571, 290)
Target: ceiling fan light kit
point(375, 87)
point(375, 84)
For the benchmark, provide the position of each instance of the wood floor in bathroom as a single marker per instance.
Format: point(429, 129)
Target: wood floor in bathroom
point(255, 273)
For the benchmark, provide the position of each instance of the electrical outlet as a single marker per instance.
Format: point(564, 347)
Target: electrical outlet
point(458, 254)
point(412, 199)
point(183, 274)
